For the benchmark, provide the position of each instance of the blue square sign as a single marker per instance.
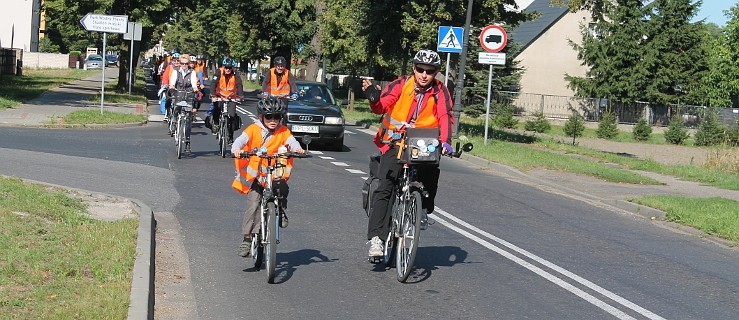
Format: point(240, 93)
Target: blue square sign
point(450, 39)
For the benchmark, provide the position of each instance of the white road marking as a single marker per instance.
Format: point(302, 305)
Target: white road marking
point(327, 158)
point(340, 164)
point(545, 274)
point(349, 132)
point(356, 171)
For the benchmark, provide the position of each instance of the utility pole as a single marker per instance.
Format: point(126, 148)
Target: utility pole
point(460, 76)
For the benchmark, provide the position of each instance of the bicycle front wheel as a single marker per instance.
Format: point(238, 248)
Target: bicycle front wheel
point(180, 136)
point(410, 230)
point(271, 245)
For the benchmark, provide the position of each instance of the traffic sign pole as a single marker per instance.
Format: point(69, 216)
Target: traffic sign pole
point(102, 91)
point(487, 105)
point(446, 72)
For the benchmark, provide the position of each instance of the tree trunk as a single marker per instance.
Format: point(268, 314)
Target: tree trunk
point(311, 72)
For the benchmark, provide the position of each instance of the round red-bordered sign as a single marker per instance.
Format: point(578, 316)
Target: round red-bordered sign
point(493, 38)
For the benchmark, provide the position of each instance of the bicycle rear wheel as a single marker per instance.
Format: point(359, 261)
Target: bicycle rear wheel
point(410, 230)
point(271, 245)
point(257, 250)
point(180, 135)
point(223, 136)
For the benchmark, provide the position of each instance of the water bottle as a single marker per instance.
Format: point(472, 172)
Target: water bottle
point(282, 161)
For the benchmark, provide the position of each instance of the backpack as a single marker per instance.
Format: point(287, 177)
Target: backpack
point(371, 184)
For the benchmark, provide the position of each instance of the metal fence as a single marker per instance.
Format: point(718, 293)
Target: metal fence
point(591, 109)
point(8, 61)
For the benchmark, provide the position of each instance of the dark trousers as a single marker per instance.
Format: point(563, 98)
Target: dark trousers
point(231, 109)
point(389, 173)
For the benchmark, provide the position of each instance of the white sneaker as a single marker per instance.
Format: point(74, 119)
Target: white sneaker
point(376, 249)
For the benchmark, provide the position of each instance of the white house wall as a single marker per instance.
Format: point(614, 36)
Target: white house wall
point(550, 57)
point(19, 24)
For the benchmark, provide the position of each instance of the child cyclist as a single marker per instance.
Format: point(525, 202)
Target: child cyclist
point(250, 178)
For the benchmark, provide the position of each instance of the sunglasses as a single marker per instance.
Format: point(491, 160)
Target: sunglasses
point(427, 71)
point(273, 117)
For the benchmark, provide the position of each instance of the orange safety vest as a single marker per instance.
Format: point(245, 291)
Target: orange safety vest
point(281, 89)
point(255, 167)
point(226, 85)
point(166, 73)
point(394, 119)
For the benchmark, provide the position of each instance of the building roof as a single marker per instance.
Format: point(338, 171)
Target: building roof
point(526, 33)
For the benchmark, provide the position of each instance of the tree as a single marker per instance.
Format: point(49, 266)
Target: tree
point(674, 55)
point(574, 126)
point(613, 52)
point(676, 132)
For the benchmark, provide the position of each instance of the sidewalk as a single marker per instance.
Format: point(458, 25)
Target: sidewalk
point(63, 100)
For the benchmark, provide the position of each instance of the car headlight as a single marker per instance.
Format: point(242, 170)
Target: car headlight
point(334, 120)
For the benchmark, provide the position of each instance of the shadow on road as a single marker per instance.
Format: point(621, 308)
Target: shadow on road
point(429, 259)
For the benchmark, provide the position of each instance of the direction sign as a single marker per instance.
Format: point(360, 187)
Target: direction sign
point(496, 58)
point(105, 23)
point(450, 39)
point(493, 38)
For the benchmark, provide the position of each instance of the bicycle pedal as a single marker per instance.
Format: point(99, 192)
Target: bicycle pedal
point(375, 260)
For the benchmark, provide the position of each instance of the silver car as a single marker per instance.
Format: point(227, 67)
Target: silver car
point(94, 61)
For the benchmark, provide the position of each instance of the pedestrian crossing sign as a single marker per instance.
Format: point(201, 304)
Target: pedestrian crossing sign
point(450, 39)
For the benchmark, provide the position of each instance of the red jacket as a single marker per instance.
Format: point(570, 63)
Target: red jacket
point(437, 90)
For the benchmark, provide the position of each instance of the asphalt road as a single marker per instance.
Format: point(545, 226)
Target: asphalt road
point(499, 249)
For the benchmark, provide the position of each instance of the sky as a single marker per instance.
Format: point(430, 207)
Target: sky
point(713, 11)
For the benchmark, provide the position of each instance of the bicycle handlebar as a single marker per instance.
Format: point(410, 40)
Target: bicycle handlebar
point(285, 155)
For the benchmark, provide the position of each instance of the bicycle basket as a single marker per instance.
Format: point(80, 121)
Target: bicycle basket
point(422, 146)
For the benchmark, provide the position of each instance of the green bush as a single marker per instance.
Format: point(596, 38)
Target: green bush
point(474, 110)
point(676, 132)
point(710, 132)
point(504, 116)
point(607, 127)
point(574, 126)
point(642, 130)
point(538, 124)
point(733, 135)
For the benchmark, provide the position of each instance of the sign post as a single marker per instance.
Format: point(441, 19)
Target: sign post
point(449, 41)
point(133, 34)
point(104, 23)
point(493, 39)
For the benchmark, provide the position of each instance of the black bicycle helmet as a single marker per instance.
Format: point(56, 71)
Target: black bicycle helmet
point(427, 57)
point(280, 61)
point(271, 105)
point(228, 62)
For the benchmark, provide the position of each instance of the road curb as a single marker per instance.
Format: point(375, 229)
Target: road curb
point(142, 284)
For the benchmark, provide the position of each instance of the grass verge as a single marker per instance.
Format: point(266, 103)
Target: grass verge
point(59, 264)
point(137, 96)
point(714, 216)
point(106, 117)
point(16, 90)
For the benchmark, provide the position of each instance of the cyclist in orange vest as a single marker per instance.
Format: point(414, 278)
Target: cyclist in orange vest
point(279, 81)
point(226, 84)
point(271, 133)
point(420, 101)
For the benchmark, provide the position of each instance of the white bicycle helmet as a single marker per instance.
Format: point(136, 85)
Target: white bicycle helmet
point(427, 57)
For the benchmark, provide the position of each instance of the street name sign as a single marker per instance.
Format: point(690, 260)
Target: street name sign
point(105, 23)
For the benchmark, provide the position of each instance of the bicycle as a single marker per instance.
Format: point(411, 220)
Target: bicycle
point(183, 125)
point(406, 208)
point(223, 125)
point(264, 244)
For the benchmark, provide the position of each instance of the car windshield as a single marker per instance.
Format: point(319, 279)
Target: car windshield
point(95, 57)
point(112, 58)
point(315, 93)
